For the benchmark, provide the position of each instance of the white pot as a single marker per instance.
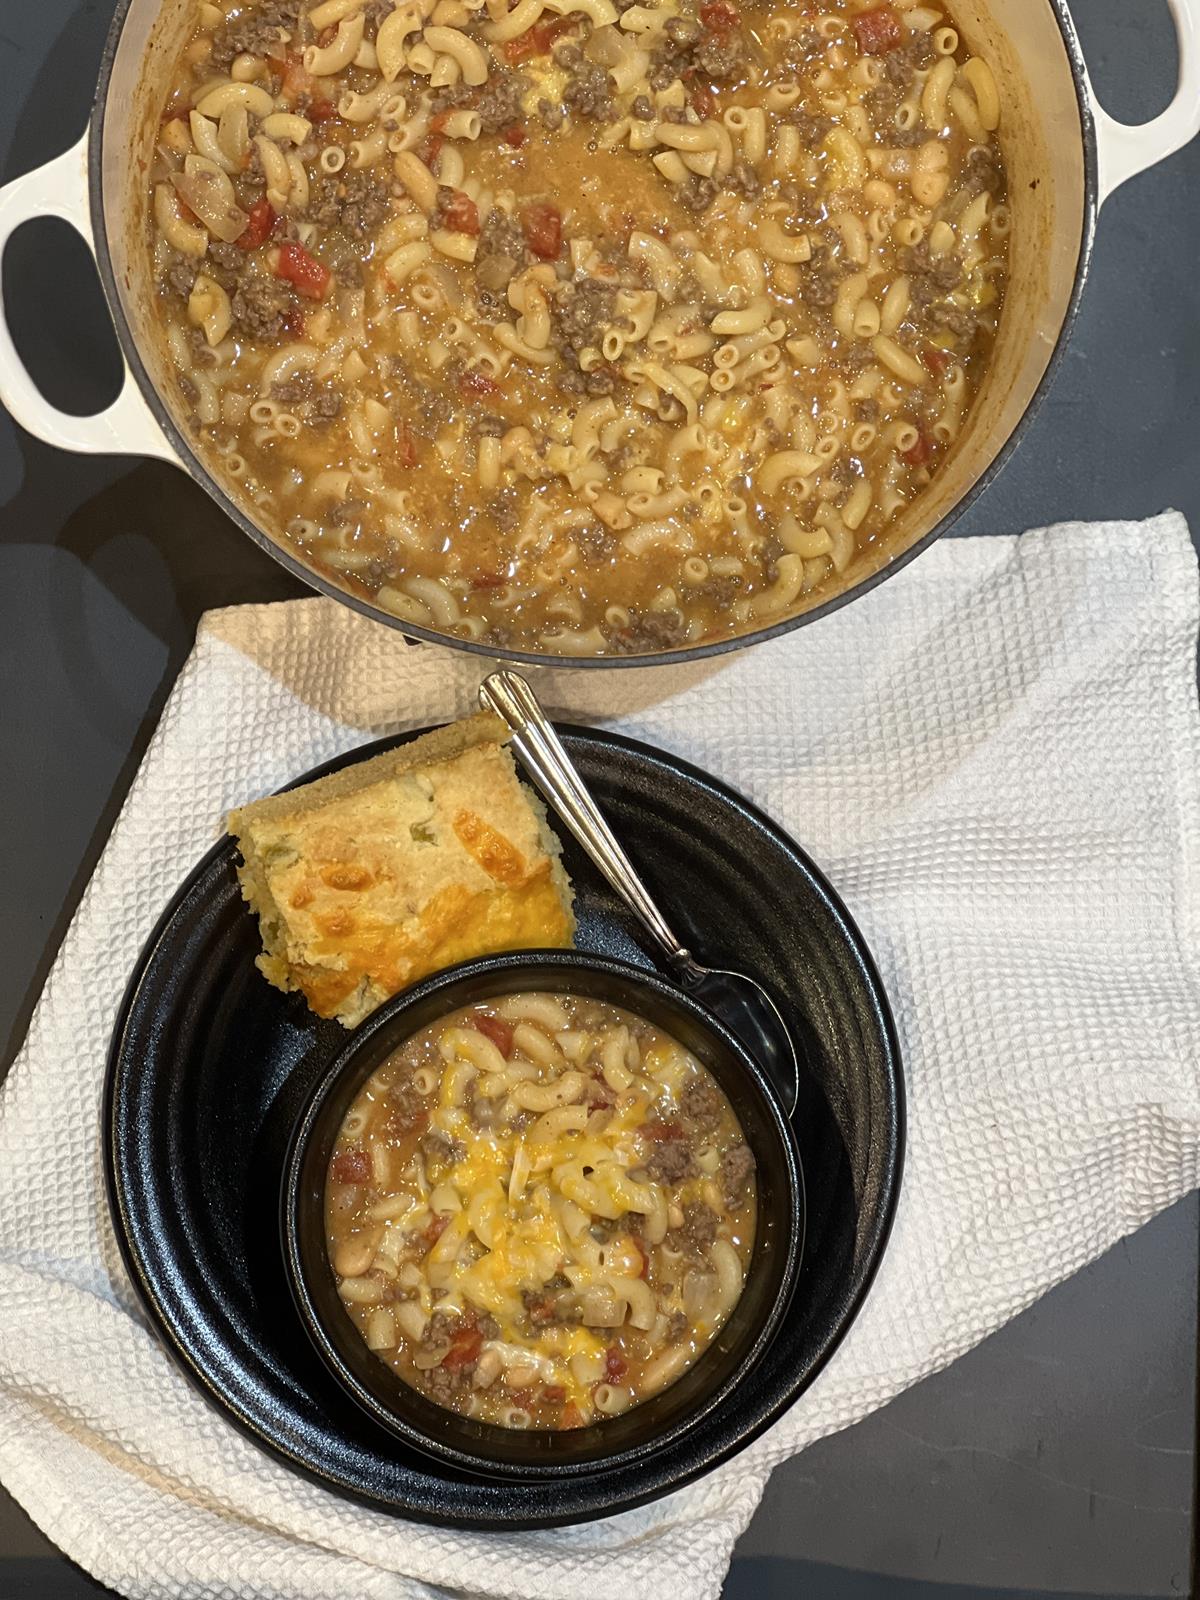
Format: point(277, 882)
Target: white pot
point(1065, 155)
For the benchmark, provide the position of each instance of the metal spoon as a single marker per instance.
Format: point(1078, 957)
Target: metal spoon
point(741, 1001)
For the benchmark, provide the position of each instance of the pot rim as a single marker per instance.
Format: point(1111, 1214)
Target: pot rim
point(192, 463)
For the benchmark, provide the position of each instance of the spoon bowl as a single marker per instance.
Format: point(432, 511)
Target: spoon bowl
point(746, 1007)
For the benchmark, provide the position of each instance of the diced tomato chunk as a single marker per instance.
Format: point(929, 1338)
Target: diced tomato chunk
point(936, 359)
point(497, 1029)
point(258, 229)
point(571, 1417)
point(542, 226)
point(404, 1120)
point(536, 41)
point(320, 110)
point(615, 1364)
point(305, 273)
point(351, 1166)
point(406, 446)
point(514, 135)
point(431, 148)
point(461, 214)
point(719, 17)
point(464, 1347)
point(704, 101)
point(555, 1393)
point(296, 82)
point(293, 322)
point(475, 382)
point(661, 1130)
point(920, 452)
point(548, 31)
point(878, 30)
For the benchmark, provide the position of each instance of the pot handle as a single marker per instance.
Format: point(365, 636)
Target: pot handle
point(1126, 149)
point(127, 427)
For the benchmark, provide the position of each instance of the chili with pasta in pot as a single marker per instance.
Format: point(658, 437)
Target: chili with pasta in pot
point(589, 327)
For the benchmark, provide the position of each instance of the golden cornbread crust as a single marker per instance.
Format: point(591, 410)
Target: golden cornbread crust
point(368, 880)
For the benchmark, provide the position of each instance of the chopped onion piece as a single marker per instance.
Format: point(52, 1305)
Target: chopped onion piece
point(207, 192)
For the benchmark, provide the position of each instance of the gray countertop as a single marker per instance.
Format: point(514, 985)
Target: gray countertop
point(1059, 1456)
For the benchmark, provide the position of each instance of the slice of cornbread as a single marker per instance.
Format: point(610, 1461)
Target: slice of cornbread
point(372, 878)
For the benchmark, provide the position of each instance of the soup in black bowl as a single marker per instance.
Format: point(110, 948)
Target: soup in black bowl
point(525, 1225)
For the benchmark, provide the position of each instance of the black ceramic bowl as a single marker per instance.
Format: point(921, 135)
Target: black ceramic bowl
point(646, 1428)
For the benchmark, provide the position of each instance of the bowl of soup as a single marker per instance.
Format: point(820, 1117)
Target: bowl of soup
point(542, 1215)
point(586, 328)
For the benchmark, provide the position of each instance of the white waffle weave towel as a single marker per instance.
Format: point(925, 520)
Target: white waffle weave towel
point(994, 756)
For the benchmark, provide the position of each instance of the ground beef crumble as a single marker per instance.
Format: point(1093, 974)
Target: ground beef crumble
point(702, 1102)
point(259, 307)
point(722, 591)
point(499, 102)
point(581, 311)
point(930, 277)
point(737, 1165)
point(588, 92)
point(355, 202)
point(500, 253)
point(178, 276)
point(819, 277)
point(812, 129)
point(444, 1386)
point(347, 512)
point(373, 14)
point(670, 1161)
point(742, 178)
point(689, 50)
point(697, 193)
point(901, 64)
point(984, 171)
point(261, 29)
point(293, 391)
point(698, 1230)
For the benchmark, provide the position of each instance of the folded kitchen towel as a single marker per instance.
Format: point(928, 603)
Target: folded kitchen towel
point(994, 756)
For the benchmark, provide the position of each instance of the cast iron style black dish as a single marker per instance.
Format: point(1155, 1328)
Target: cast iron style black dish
point(616, 1442)
point(210, 1069)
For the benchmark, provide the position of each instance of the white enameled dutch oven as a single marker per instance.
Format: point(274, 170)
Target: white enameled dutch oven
point(1064, 154)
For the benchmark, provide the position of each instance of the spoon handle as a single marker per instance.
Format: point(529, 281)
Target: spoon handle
point(542, 754)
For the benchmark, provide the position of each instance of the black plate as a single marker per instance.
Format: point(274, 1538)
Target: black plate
point(210, 1067)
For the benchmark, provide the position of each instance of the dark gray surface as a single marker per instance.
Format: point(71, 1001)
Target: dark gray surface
point(1058, 1458)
